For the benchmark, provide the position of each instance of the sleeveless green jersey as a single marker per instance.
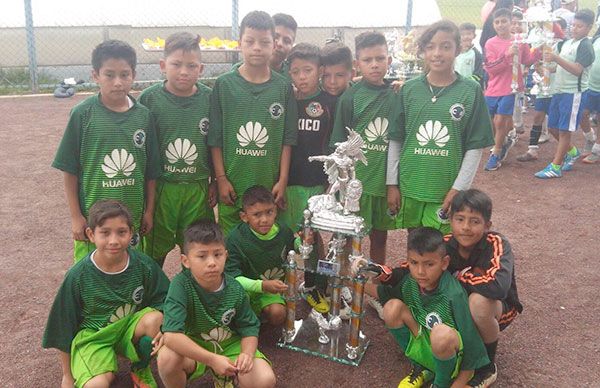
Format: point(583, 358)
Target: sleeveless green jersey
point(366, 109)
point(251, 123)
point(181, 125)
point(111, 153)
point(92, 299)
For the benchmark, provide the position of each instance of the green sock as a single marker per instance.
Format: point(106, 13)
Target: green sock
point(402, 336)
point(443, 371)
point(573, 151)
point(555, 167)
point(143, 348)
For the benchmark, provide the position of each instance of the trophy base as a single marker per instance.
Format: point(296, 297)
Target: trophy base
point(306, 340)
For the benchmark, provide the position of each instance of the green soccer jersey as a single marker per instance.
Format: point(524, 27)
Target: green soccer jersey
point(366, 109)
point(258, 259)
point(181, 125)
point(436, 135)
point(251, 123)
point(212, 319)
point(447, 304)
point(111, 153)
point(90, 298)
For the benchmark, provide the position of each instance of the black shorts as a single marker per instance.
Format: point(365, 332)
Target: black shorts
point(509, 314)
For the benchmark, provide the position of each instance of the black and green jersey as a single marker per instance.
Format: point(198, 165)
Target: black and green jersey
point(447, 304)
point(111, 153)
point(213, 319)
point(436, 135)
point(181, 125)
point(92, 299)
point(254, 258)
point(366, 109)
point(251, 123)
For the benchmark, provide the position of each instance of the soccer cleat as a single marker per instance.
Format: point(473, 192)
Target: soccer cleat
point(591, 159)
point(527, 157)
point(317, 301)
point(548, 173)
point(569, 161)
point(484, 377)
point(509, 143)
point(143, 378)
point(493, 163)
point(377, 306)
point(417, 377)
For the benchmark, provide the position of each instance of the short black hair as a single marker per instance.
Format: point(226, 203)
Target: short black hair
point(203, 231)
point(562, 23)
point(473, 199)
point(467, 27)
point(257, 194)
point(442, 25)
point(185, 41)
point(285, 20)
point(104, 209)
point(306, 51)
point(502, 12)
point(336, 53)
point(257, 20)
point(585, 15)
point(113, 49)
point(516, 14)
point(368, 39)
point(426, 240)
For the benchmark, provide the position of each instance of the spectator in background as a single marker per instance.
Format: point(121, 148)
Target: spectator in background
point(567, 13)
point(487, 30)
point(487, 9)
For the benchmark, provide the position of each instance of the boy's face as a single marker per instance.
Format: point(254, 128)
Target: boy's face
point(305, 76)
point(466, 39)
point(115, 78)
point(260, 216)
point(579, 29)
point(440, 52)
point(206, 262)
point(284, 41)
point(336, 79)
point(502, 26)
point(468, 227)
point(182, 70)
point(373, 63)
point(516, 26)
point(257, 47)
point(111, 238)
point(427, 268)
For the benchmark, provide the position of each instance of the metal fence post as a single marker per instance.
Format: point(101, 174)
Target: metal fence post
point(409, 9)
point(235, 17)
point(31, 52)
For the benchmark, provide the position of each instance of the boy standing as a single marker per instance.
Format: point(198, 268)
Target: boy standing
point(572, 74)
point(469, 63)
point(208, 321)
point(336, 59)
point(285, 35)
point(253, 121)
point(593, 101)
point(109, 147)
point(180, 107)
point(107, 305)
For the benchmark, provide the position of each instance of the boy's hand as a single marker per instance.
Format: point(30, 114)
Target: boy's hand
point(357, 265)
point(223, 366)
point(448, 200)
point(67, 381)
point(274, 286)
point(396, 85)
point(549, 56)
point(394, 199)
point(227, 194)
point(279, 194)
point(157, 343)
point(78, 226)
point(213, 194)
point(512, 50)
point(147, 223)
point(244, 363)
point(310, 238)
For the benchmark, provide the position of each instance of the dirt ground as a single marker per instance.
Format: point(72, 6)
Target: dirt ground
point(552, 225)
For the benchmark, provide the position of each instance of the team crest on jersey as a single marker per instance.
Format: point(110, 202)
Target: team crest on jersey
point(432, 319)
point(227, 317)
point(135, 240)
point(139, 138)
point(276, 110)
point(457, 111)
point(203, 125)
point(138, 295)
point(314, 109)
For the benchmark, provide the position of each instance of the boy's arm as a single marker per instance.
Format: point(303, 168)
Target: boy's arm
point(226, 191)
point(529, 56)
point(186, 347)
point(478, 67)
point(474, 353)
point(284, 170)
point(64, 318)
point(153, 171)
point(496, 61)
point(78, 221)
point(584, 58)
point(466, 174)
point(65, 364)
point(290, 138)
point(148, 217)
point(396, 139)
point(245, 360)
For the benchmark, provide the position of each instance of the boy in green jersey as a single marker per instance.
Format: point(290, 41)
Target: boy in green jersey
point(285, 35)
point(336, 59)
point(258, 249)
point(253, 122)
point(180, 108)
point(469, 63)
point(108, 305)
point(109, 147)
point(208, 320)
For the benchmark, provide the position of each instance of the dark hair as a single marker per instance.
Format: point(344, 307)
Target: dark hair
point(285, 20)
point(562, 23)
point(336, 53)
point(442, 25)
point(182, 41)
point(113, 49)
point(585, 15)
point(306, 51)
point(256, 194)
point(502, 12)
point(516, 14)
point(487, 31)
point(257, 20)
point(368, 39)
point(467, 27)
point(104, 209)
point(203, 231)
point(473, 199)
point(426, 240)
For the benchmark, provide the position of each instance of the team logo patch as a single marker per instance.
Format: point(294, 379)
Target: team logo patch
point(377, 129)
point(181, 149)
point(442, 216)
point(203, 125)
point(135, 240)
point(457, 111)
point(432, 319)
point(139, 138)
point(276, 110)
point(227, 317)
point(433, 130)
point(252, 133)
point(314, 109)
point(138, 295)
point(119, 161)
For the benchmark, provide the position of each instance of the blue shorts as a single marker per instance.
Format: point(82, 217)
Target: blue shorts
point(542, 104)
point(503, 105)
point(565, 111)
point(593, 101)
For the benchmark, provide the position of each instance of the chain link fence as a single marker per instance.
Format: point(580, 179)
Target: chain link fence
point(42, 42)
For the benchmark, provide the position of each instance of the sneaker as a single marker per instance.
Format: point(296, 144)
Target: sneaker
point(527, 157)
point(484, 377)
point(509, 143)
point(493, 163)
point(377, 306)
point(589, 144)
point(143, 378)
point(317, 301)
point(569, 161)
point(548, 173)
point(544, 138)
point(591, 159)
point(417, 377)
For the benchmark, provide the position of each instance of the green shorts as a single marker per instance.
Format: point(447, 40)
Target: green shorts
point(94, 352)
point(228, 217)
point(177, 206)
point(296, 199)
point(82, 248)
point(414, 213)
point(375, 212)
point(258, 301)
point(419, 350)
